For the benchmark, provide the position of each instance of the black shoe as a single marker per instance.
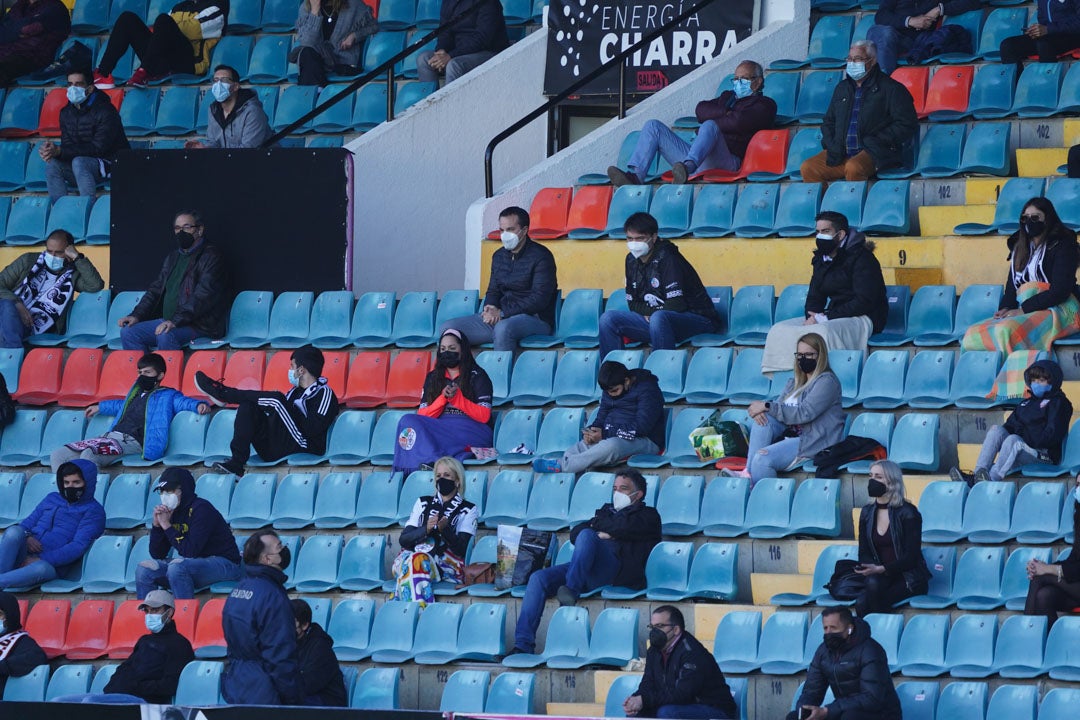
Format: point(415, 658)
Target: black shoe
point(981, 475)
point(217, 391)
point(958, 475)
point(621, 177)
point(230, 467)
point(680, 173)
point(566, 596)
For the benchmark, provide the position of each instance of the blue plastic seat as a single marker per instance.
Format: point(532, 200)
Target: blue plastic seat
point(915, 442)
point(974, 378)
point(294, 502)
point(895, 331)
point(176, 111)
point(69, 213)
point(922, 647)
point(411, 92)
point(436, 634)
point(797, 209)
point(91, 18)
point(102, 677)
point(613, 641)
point(69, 680)
point(721, 297)
point(671, 206)
point(752, 314)
point(1001, 23)
point(351, 626)
point(714, 573)
point(376, 689)
point(465, 692)
point(1038, 89)
point(941, 561)
point(455, 304)
point(1036, 511)
point(393, 630)
point(1060, 660)
point(769, 508)
point(815, 94)
point(992, 91)
point(755, 212)
point(591, 490)
point(1058, 704)
point(816, 509)
point(11, 490)
point(549, 501)
point(498, 363)
point(823, 570)
point(200, 683)
point(27, 221)
point(567, 637)
point(883, 376)
point(372, 323)
point(930, 316)
point(125, 504)
point(963, 700)
point(669, 366)
point(986, 149)
point(252, 501)
point(828, 47)
point(847, 198)
point(970, 650)
point(414, 320)
point(575, 378)
point(679, 503)
point(63, 427)
point(988, 511)
point(940, 151)
point(384, 438)
point(21, 442)
point(667, 572)
point(1019, 649)
point(978, 579)
point(746, 382)
point(517, 427)
point(626, 201)
point(269, 63)
point(886, 628)
point(362, 565)
point(1064, 193)
point(706, 375)
point(780, 650)
point(418, 483)
point(511, 694)
point(714, 211)
point(480, 637)
point(928, 379)
point(22, 110)
point(1014, 194)
point(245, 17)
point(13, 157)
point(805, 144)
point(140, 551)
point(1014, 579)
point(187, 442)
point(335, 504)
point(369, 109)
point(338, 118)
point(791, 302)
point(105, 568)
point(942, 506)
point(679, 451)
point(737, 637)
point(508, 499)
point(621, 688)
point(579, 322)
point(918, 700)
point(295, 102)
point(723, 507)
point(249, 322)
point(886, 209)
point(290, 319)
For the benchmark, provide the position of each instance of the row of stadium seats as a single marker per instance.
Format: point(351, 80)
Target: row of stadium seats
point(31, 219)
point(993, 513)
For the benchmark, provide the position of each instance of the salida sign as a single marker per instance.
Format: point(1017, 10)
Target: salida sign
point(584, 34)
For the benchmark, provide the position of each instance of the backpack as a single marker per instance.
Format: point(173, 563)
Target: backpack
point(845, 583)
point(853, 447)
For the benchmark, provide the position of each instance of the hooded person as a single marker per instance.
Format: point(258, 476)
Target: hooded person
point(19, 653)
point(195, 535)
point(1033, 434)
point(320, 674)
point(260, 630)
point(57, 533)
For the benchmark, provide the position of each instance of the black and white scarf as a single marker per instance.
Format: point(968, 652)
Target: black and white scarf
point(45, 295)
point(8, 641)
point(449, 510)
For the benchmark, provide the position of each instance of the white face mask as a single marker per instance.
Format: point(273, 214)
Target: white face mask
point(510, 240)
point(620, 500)
point(53, 263)
point(637, 248)
point(170, 500)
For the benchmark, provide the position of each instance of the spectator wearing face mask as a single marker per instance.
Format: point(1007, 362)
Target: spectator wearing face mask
point(19, 653)
point(520, 299)
point(323, 682)
point(236, 117)
point(191, 545)
point(91, 134)
point(57, 533)
point(190, 297)
point(142, 420)
point(36, 289)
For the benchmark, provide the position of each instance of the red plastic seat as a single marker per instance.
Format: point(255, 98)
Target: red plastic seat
point(39, 377)
point(335, 370)
point(185, 617)
point(47, 623)
point(116, 97)
point(915, 78)
point(405, 383)
point(82, 372)
point(209, 639)
point(24, 610)
point(245, 370)
point(118, 374)
point(766, 153)
point(88, 631)
point(589, 210)
point(49, 121)
point(334, 367)
point(277, 372)
point(949, 89)
point(367, 380)
point(127, 627)
point(211, 362)
point(174, 367)
point(547, 216)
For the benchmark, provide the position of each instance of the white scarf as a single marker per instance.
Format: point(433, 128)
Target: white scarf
point(45, 295)
point(8, 641)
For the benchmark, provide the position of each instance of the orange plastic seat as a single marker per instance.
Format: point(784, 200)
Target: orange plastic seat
point(211, 362)
point(116, 97)
point(174, 367)
point(118, 374)
point(277, 372)
point(589, 210)
point(209, 639)
point(47, 623)
point(24, 610)
point(88, 631)
point(127, 627)
point(949, 89)
point(366, 387)
point(186, 616)
point(39, 377)
point(405, 383)
point(547, 216)
point(335, 370)
point(245, 370)
point(766, 153)
point(82, 372)
point(915, 78)
point(49, 121)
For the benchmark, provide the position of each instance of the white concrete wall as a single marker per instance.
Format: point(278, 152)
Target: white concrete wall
point(415, 177)
point(784, 34)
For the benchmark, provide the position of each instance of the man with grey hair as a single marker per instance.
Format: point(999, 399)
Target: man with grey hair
point(870, 119)
point(727, 125)
point(898, 24)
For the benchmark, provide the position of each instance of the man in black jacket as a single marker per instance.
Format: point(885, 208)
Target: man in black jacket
point(609, 549)
point(681, 678)
point(630, 421)
point(854, 666)
point(846, 301)
point(667, 301)
point(189, 298)
point(320, 674)
point(870, 119)
point(19, 653)
point(898, 24)
point(467, 44)
point(520, 299)
point(90, 136)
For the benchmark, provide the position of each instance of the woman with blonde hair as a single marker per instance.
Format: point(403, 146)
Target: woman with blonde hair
point(806, 418)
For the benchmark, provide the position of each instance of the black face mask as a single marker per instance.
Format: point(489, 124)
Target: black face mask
point(876, 488)
point(449, 358)
point(445, 486)
point(1034, 228)
point(185, 240)
point(286, 558)
point(835, 641)
point(73, 494)
point(146, 384)
point(658, 639)
point(807, 365)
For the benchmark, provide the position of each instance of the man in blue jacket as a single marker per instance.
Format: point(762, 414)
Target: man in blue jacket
point(630, 421)
point(470, 42)
point(58, 532)
point(1056, 30)
point(260, 630)
point(195, 531)
point(142, 420)
point(898, 24)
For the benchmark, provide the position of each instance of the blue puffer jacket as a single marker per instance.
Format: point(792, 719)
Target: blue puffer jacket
point(261, 634)
point(161, 406)
point(66, 530)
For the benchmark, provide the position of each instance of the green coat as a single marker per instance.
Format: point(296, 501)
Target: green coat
point(86, 279)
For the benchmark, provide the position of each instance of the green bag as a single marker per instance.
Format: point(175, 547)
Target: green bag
point(716, 438)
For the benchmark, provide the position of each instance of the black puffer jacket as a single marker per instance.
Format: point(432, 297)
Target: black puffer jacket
point(849, 285)
point(638, 412)
point(690, 677)
point(666, 281)
point(524, 283)
point(635, 530)
point(204, 299)
point(905, 531)
point(1043, 422)
point(25, 654)
point(1058, 266)
point(91, 129)
point(152, 672)
point(324, 685)
point(858, 675)
point(887, 120)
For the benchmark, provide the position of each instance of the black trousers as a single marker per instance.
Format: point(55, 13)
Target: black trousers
point(1074, 161)
point(880, 594)
point(313, 71)
point(1019, 48)
point(1046, 596)
point(164, 51)
point(14, 68)
point(262, 421)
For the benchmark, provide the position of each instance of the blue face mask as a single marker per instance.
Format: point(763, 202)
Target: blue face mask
point(856, 70)
point(1039, 389)
point(294, 379)
point(220, 91)
point(741, 86)
point(76, 95)
point(53, 263)
point(154, 623)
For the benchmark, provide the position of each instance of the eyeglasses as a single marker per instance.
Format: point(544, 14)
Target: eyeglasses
point(806, 356)
point(1031, 217)
point(185, 228)
point(659, 626)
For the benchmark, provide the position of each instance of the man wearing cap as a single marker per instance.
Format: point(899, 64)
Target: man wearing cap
point(152, 671)
point(194, 532)
point(278, 425)
point(19, 653)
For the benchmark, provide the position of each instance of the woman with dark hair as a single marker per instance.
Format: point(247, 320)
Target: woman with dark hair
point(19, 653)
point(803, 420)
point(890, 543)
point(455, 409)
point(329, 38)
point(1055, 587)
point(1040, 303)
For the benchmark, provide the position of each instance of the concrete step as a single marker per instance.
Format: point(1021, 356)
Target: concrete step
point(764, 585)
point(1040, 162)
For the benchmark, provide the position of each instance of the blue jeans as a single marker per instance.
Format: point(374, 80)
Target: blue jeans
point(140, 336)
point(709, 151)
point(663, 330)
point(183, 575)
point(1011, 452)
point(506, 333)
point(593, 564)
point(890, 43)
point(766, 458)
point(82, 172)
point(100, 698)
point(12, 330)
point(457, 67)
point(689, 712)
point(12, 555)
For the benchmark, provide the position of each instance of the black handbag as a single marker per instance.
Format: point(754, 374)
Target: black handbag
point(845, 583)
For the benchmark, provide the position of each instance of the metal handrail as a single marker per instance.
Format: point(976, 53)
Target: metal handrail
point(589, 77)
point(386, 67)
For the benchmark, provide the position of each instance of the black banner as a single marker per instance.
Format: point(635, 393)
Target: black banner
point(584, 34)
